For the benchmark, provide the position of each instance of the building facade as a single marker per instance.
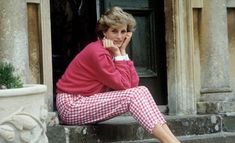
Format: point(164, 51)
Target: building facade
point(194, 48)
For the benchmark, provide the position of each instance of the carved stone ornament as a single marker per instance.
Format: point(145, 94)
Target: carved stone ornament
point(22, 127)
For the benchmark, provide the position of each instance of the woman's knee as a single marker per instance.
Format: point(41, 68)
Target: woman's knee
point(139, 88)
point(142, 90)
point(139, 92)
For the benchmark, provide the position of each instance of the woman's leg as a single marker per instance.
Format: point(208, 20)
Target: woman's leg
point(160, 133)
point(166, 128)
point(146, 112)
point(79, 110)
point(76, 109)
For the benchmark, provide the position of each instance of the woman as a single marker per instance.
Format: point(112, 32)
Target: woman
point(101, 82)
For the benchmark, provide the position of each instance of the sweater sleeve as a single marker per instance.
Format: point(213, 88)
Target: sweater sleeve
point(134, 75)
point(114, 74)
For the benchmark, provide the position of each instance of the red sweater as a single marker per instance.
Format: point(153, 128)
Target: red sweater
point(93, 71)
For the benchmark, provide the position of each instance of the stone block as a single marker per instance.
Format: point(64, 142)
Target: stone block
point(210, 107)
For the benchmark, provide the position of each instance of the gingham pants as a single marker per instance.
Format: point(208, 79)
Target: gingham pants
point(79, 110)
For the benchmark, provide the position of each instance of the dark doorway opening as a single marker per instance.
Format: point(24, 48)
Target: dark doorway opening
point(72, 28)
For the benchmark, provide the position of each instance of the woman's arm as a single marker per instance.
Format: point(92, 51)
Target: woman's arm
point(113, 74)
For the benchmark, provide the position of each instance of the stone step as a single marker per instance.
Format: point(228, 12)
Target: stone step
point(125, 128)
point(224, 137)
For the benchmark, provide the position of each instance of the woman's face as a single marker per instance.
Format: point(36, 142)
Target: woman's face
point(116, 34)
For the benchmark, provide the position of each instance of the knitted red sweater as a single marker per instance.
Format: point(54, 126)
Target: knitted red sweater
point(93, 71)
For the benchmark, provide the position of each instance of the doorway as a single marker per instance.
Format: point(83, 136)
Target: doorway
point(73, 27)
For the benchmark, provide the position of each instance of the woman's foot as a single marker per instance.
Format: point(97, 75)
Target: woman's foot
point(164, 134)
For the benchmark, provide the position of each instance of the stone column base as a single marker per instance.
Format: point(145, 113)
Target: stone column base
point(214, 107)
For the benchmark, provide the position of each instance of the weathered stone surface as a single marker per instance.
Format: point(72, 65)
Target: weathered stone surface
point(215, 107)
point(23, 115)
point(229, 122)
point(195, 125)
point(124, 129)
point(214, 42)
point(207, 138)
point(56, 134)
point(14, 36)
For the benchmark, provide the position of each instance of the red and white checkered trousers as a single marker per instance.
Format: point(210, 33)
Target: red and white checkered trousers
point(79, 110)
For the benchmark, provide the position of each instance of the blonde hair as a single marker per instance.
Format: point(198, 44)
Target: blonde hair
point(115, 17)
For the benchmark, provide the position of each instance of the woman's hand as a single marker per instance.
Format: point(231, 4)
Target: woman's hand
point(108, 44)
point(125, 43)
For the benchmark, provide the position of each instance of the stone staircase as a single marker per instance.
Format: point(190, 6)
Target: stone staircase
point(124, 129)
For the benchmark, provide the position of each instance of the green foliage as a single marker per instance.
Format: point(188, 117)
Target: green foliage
point(8, 79)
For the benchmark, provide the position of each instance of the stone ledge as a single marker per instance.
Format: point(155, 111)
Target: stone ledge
point(207, 138)
point(125, 128)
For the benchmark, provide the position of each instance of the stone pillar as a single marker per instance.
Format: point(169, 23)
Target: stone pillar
point(180, 58)
point(14, 36)
point(215, 83)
